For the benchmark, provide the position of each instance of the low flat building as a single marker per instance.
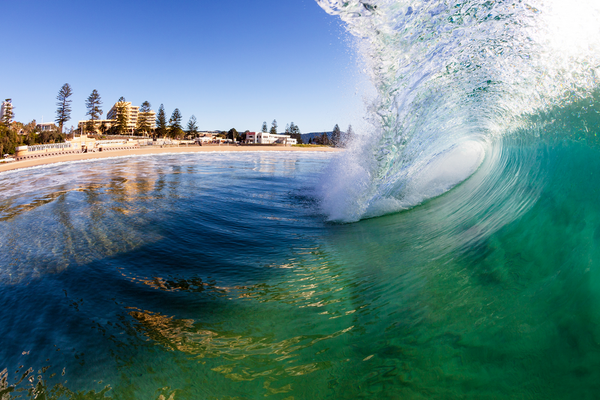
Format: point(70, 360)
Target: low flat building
point(46, 126)
point(268, 138)
point(43, 150)
point(204, 139)
point(100, 125)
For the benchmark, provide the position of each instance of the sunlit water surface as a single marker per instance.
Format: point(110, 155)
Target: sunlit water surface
point(215, 276)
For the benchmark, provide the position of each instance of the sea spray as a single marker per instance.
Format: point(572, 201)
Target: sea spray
point(448, 75)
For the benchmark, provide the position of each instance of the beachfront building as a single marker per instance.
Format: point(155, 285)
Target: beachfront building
point(100, 125)
point(44, 150)
point(204, 139)
point(132, 115)
point(6, 109)
point(269, 138)
point(46, 126)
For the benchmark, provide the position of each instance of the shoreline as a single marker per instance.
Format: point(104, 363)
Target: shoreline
point(150, 151)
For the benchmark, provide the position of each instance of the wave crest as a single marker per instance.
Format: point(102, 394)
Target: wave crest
point(447, 74)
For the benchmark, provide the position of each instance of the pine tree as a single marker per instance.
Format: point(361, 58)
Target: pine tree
point(264, 127)
point(63, 112)
point(295, 133)
point(93, 104)
point(233, 134)
point(122, 117)
point(143, 123)
point(336, 136)
point(8, 115)
point(146, 107)
point(274, 127)
point(192, 127)
point(175, 129)
point(161, 122)
point(90, 126)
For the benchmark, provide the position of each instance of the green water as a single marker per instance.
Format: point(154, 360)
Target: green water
point(221, 280)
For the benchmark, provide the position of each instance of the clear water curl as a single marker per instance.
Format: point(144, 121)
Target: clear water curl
point(450, 78)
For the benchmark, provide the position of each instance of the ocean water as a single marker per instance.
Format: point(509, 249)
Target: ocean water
point(218, 276)
point(452, 252)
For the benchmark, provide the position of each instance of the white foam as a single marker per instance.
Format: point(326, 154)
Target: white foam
point(438, 176)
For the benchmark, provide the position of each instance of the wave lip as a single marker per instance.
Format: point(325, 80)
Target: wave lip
point(447, 74)
point(339, 196)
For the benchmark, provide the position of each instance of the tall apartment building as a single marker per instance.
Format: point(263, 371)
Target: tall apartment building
point(130, 111)
point(6, 108)
point(133, 115)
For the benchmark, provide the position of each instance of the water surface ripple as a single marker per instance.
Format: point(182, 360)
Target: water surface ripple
point(215, 276)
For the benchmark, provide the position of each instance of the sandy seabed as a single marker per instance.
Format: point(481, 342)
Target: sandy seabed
point(150, 150)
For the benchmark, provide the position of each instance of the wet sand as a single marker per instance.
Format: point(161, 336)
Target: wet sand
point(150, 150)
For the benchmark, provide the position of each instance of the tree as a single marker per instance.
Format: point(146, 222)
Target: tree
point(52, 136)
point(192, 127)
point(161, 122)
point(63, 112)
point(287, 129)
point(143, 123)
point(93, 104)
point(295, 133)
point(9, 140)
point(336, 136)
point(274, 127)
point(264, 127)
point(9, 114)
point(90, 127)
point(175, 129)
point(233, 134)
point(122, 117)
point(29, 135)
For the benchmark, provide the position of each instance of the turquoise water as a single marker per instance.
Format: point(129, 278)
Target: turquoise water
point(217, 276)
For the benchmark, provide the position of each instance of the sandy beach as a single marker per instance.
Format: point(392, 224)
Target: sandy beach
point(150, 150)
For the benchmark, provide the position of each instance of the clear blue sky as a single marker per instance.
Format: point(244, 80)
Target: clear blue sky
point(233, 64)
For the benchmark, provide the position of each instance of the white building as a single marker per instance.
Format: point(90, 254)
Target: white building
point(268, 138)
point(204, 139)
point(46, 126)
point(6, 108)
